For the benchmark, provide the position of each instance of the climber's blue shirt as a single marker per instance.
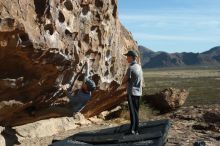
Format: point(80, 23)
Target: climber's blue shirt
point(78, 101)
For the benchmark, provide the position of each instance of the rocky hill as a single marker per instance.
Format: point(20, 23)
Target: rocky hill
point(44, 43)
point(151, 59)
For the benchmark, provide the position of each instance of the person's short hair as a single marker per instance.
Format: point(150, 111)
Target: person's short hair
point(131, 53)
point(90, 84)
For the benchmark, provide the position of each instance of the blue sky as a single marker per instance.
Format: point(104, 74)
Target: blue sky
point(173, 25)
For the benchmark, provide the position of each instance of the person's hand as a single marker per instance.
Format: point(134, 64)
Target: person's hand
point(87, 61)
point(64, 87)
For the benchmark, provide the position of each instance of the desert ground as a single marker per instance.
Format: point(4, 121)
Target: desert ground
point(197, 120)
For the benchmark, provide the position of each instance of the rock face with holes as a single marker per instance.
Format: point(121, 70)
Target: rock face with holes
point(44, 43)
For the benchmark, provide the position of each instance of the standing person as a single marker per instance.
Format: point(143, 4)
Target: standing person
point(134, 80)
point(78, 101)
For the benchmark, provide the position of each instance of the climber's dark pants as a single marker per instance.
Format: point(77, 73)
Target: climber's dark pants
point(133, 103)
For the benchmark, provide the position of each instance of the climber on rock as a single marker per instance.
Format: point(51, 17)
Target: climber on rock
point(78, 101)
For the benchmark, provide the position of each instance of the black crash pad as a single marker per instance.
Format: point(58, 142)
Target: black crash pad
point(151, 133)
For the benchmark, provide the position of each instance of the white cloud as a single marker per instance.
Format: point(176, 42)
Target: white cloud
point(167, 17)
point(150, 37)
point(195, 22)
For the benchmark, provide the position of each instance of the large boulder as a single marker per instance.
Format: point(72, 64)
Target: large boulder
point(44, 43)
point(49, 127)
point(168, 99)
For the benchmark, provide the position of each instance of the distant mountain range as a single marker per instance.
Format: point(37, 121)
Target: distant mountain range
point(151, 59)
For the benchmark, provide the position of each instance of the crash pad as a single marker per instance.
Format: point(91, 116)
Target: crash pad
point(151, 133)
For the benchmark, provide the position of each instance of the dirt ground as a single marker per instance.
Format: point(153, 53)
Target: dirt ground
point(189, 124)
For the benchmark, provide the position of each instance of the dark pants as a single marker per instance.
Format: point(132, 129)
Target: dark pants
point(133, 103)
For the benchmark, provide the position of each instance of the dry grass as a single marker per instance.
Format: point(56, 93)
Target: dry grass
point(202, 83)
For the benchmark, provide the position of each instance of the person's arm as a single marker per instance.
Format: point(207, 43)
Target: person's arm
point(65, 89)
point(142, 78)
point(127, 76)
point(125, 80)
point(87, 68)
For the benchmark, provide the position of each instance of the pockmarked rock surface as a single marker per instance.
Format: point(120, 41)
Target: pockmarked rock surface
point(44, 43)
point(168, 99)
